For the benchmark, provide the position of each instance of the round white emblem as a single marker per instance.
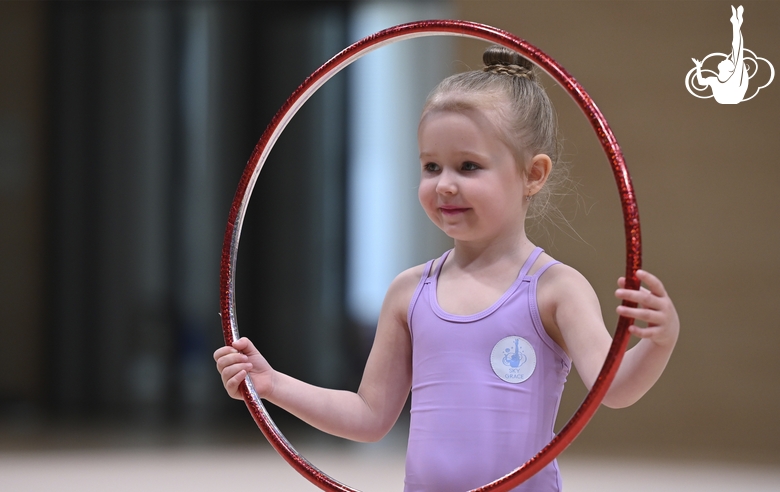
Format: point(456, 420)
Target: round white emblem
point(513, 359)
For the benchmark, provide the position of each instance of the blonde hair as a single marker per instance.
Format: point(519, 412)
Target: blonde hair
point(508, 84)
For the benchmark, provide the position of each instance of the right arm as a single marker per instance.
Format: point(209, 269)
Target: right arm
point(366, 415)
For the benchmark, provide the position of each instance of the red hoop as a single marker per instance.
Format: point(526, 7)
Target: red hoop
point(274, 130)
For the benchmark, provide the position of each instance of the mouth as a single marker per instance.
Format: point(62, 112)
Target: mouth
point(451, 210)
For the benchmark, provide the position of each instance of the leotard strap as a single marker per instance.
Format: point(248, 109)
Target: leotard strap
point(530, 261)
point(423, 279)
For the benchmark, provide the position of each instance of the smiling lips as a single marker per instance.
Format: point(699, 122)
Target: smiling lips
point(452, 210)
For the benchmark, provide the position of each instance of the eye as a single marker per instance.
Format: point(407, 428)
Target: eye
point(469, 166)
point(430, 167)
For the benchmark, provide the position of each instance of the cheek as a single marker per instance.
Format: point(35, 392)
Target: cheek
point(423, 193)
point(426, 193)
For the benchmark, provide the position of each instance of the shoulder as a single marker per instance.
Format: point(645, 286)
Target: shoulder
point(565, 299)
point(564, 284)
point(401, 290)
point(408, 279)
point(560, 278)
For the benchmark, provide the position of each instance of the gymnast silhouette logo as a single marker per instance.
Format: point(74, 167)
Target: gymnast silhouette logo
point(735, 70)
point(513, 359)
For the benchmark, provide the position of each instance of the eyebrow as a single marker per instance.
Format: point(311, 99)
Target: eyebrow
point(462, 155)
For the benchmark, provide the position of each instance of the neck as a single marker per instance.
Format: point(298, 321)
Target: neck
point(510, 248)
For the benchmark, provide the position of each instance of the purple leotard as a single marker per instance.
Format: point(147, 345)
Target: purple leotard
point(485, 389)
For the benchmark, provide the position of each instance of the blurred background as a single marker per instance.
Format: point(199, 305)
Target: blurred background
point(124, 129)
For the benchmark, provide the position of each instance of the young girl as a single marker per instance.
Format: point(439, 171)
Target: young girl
point(485, 335)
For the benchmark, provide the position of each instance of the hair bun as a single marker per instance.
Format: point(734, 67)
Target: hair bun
point(498, 59)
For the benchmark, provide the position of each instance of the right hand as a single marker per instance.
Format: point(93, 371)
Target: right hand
point(235, 362)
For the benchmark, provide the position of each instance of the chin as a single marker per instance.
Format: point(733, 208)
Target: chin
point(458, 235)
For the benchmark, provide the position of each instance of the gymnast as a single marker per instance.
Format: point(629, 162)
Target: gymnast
point(731, 84)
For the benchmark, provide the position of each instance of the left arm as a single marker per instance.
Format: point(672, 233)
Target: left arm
point(701, 80)
point(643, 364)
point(572, 316)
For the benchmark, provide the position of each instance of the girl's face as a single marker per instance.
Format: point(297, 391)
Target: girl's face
point(471, 185)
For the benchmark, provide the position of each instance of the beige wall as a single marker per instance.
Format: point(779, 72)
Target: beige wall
point(707, 178)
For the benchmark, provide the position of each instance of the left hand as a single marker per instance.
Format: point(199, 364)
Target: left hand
point(654, 307)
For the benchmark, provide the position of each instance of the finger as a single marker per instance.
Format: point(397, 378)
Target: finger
point(245, 345)
point(231, 373)
point(232, 359)
point(622, 282)
point(223, 351)
point(638, 290)
point(641, 296)
point(641, 332)
point(653, 283)
point(232, 384)
point(650, 316)
point(633, 295)
point(655, 333)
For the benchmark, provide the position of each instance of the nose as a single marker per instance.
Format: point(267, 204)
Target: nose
point(446, 184)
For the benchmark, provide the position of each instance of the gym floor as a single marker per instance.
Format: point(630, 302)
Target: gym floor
point(371, 468)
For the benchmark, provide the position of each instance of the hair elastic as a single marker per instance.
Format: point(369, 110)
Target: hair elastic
point(514, 70)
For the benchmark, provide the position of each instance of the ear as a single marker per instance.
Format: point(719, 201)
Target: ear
point(537, 172)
